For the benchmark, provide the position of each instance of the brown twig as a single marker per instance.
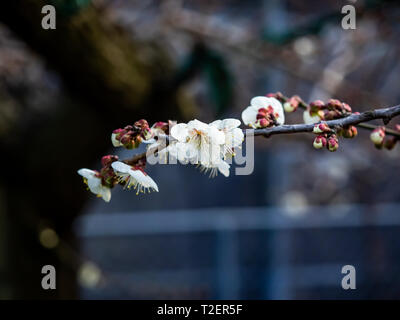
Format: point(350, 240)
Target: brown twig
point(354, 119)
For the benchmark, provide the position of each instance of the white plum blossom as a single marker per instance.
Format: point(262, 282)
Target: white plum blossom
point(94, 184)
point(233, 135)
point(263, 105)
point(198, 141)
point(135, 178)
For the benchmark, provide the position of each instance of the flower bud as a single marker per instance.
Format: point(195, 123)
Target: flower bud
point(397, 127)
point(346, 107)
point(107, 160)
point(330, 115)
point(349, 132)
point(333, 143)
point(126, 140)
point(144, 129)
point(334, 104)
point(317, 105)
point(377, 136)
point(262, 112)
point(278, 95)
point(354, 131)
point(263, 123)
point(390, 143)
point(292, 104)
point(321, 127)
point(319, 142)
point(161, 126)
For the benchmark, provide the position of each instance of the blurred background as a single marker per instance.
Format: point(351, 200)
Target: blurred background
point(283, 232)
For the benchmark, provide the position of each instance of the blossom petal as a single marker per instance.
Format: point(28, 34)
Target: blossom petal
point(180, 132)
point(278, 108)
point(249, 115)
point(197, 125)
point(121, 167)
point(216, 136)
point(230, 123)
point(105, 193)
point(143, 179)
point(234, 138)
point(217, 124)
point(86, 173)
point(260, 102)
point(151, 183)
point(223, 167)
point(94, 184)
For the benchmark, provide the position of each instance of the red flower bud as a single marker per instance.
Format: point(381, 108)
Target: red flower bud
point(317, 105)
point(333, 143)
point(377, 136)
point(390, 143)
point(161, 125)
point(263, 123)
point(292, 104)
point(346, 107)
point(334, 104)
point(320, 142)
point(349, 132)
point(107, 160)
point(321, 127)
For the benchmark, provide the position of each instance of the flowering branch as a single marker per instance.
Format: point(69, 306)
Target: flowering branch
point(210, 145)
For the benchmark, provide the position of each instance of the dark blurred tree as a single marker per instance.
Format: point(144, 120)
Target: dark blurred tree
point(116, 81)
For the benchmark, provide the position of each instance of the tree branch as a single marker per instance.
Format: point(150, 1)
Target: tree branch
point(354, 119)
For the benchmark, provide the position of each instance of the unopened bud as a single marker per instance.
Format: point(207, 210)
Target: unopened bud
point(107, 160)
point(263, 123)
point(334, 104)
point(144, 129)
point(390, 143)
point(377, 136)
point(321, 127)
point(333, 143)
point(262, 112)
point(292, 104)
point(126, 141)
point(354, 131)
point(346, 107)
point(349, 132)
point(317, 105)
point(319, 142)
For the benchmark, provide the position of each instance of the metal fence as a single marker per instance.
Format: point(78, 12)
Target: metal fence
point(244, 253)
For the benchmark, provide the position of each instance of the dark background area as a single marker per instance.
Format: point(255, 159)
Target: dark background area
point(282, 232)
